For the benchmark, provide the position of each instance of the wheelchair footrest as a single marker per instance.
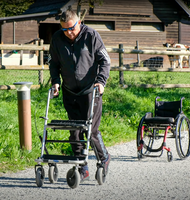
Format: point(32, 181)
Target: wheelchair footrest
point(68, 124)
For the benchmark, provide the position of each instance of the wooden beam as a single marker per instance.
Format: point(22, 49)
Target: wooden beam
point(24, 67)
point(171, 51)
point(160, 85)
point(150, 52)
point(138, 69)
point(23, 47)
point(12, 87)
point(151, 69)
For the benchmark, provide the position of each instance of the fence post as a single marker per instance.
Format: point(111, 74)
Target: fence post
point(21, 56)
point(40, 72)
point(189, 56)
point(138, 56)
point(121, 79)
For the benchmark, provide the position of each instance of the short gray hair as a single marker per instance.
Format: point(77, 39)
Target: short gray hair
point(69, 14)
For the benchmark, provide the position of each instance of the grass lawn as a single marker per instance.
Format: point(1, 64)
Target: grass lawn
point(122, 111)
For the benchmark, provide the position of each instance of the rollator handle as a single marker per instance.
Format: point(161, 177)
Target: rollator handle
point(97, 91)
point(52, 94)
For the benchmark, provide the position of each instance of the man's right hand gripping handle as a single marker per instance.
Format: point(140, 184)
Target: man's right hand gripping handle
point(56, 90)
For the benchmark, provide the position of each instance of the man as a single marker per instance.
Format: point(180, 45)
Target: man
point(80, 57)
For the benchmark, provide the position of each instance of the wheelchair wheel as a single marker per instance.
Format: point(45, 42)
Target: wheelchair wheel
point(53, 173)
point(148, 140)
point(100, 176)
point(40, 176)
point(73, 178)
point(182, 136)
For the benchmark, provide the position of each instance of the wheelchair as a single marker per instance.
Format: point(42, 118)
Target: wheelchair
point(169, 121)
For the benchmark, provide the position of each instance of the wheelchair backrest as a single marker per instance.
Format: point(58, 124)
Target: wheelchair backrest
point(168, 108)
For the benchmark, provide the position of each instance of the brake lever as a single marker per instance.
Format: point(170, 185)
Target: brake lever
point(97, 91)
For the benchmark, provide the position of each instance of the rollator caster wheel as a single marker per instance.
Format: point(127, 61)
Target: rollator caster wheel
point(100, 175)
point(169, 156)
point(53, 173)
point(40, 176)
point(73, 178)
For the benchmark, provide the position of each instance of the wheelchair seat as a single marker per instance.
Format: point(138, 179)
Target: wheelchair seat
point(159, 120)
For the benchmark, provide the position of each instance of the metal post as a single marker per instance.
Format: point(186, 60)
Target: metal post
point(41, 63)
point(121, 79)
point(24, 114)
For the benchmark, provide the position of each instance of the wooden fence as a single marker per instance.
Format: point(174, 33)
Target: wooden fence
point(120, 68)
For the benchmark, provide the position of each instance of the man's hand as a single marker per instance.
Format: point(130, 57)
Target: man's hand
point(56, 91)
point(100, 87)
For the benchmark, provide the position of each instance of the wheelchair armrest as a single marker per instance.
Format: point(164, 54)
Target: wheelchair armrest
point(148, 115)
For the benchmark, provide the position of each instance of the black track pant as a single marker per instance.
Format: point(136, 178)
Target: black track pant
point(78, 108)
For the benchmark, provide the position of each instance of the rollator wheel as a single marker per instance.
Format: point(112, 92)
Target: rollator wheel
point(73, 178)
point(182, 136)
point(40, 176)
point(169, 156)
point(100, 176)
point(53, 173)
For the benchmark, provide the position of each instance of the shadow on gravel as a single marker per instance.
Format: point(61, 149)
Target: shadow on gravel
point(118, 158)
point(124, 158)
point(143, 160)
point(8, 182)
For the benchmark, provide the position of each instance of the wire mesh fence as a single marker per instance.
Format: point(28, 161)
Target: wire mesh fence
point(156, 61)
point(156, 78)
point(8, 77)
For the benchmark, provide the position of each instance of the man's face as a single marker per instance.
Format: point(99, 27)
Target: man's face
point(71, 29)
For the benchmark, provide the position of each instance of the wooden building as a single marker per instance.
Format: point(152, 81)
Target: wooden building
point(150, 22)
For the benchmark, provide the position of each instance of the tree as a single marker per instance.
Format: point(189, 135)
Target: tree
point(187, 2)
point(91, 2)
point(91, 6)
point(14, 7)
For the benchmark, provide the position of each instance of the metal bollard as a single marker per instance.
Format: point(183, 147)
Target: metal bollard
point(24, 114)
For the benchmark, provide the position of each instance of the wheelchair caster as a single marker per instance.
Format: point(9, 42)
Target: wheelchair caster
point(139, 155)
point(169, 156)
point(73, 178)
point(53, 173)
point(40, 176)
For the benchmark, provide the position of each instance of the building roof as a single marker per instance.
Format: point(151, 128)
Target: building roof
point(183, 6)
point(46, 6)
point(42, 8)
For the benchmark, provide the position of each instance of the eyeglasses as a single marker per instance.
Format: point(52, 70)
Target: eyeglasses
point(70, 28)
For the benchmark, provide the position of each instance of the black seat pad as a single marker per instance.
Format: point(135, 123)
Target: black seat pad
point(159, 120)
point(68, 124)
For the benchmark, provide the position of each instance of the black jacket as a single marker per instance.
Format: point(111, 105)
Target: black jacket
point(81, 63)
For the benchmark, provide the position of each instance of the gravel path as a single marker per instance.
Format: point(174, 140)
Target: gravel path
point(128, 178)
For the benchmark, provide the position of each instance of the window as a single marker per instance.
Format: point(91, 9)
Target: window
point(147, 27)
point(101, 25)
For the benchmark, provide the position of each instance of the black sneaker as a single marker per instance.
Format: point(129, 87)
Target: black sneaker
point(84, 173)
point(106, 163)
